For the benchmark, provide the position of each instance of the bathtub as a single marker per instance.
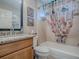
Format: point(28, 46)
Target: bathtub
point(61, 51)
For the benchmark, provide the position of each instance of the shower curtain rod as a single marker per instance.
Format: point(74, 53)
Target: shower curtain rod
point(47, 4)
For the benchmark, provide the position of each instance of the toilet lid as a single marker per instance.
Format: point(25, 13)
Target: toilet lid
point(42, 49)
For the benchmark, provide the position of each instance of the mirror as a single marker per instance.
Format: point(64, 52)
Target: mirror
point(11, 15)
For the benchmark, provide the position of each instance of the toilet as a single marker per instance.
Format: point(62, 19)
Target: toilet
point(42, 52)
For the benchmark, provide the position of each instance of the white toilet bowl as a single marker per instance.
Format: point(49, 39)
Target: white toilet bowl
point(42, 51)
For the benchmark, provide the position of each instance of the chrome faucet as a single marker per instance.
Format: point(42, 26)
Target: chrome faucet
point(12, 32)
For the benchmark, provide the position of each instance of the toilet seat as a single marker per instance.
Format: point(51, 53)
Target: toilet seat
point(41, 49)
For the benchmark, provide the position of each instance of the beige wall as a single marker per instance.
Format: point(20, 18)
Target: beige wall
point(41, 31)
point(39, 25)
point(28, 3)
point(73, 38)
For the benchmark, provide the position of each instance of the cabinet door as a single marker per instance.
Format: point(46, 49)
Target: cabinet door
point(26, 53)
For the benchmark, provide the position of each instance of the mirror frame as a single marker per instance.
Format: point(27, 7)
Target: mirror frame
point(21, 20)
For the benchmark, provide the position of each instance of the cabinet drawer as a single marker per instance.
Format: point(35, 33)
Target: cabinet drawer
point(25, 53)
point(15, 46)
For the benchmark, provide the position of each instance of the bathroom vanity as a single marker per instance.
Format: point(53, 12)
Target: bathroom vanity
point(19, 48)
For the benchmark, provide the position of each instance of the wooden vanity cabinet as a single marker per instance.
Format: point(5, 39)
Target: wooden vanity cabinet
point(24, 50)
point(21, 54)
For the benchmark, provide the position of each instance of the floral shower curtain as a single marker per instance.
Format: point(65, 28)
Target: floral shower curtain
point(62, 20)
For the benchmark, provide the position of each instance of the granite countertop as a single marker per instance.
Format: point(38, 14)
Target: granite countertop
point(8, 39)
